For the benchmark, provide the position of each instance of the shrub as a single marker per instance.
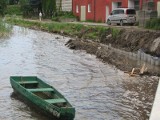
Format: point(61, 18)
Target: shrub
point(153, 24)
point(14, 10)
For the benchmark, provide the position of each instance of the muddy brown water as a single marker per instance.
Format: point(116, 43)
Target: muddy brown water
point(97, 90)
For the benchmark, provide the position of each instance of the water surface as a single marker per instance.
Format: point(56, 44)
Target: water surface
point(97, 90)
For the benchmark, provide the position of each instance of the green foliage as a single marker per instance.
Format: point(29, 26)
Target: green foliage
point(63, 15)
point(91, 35)
point(13, 10)
point(49, 7)
point(153, 24)
point(3, 6)
point(12, 2)
point(26, 8)
point(115, 32)
point(66, 15)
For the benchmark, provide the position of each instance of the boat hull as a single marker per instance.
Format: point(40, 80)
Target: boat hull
point(48, 109)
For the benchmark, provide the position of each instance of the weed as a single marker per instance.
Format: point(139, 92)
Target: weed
point(4, 29)
point(115, 33)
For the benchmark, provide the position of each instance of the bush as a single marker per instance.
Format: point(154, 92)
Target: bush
point(14, 10)
point(62, 15)
point(153, 24)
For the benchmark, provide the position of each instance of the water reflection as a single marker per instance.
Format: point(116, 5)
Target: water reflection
point(98, 91)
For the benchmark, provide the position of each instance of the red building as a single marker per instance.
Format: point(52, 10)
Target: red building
point(98, 10)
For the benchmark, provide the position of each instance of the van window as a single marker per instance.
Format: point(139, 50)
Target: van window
point(130, 11)
point(114, 12)
point(121, 12)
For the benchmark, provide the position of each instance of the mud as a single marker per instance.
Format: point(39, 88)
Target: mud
point(133, 40)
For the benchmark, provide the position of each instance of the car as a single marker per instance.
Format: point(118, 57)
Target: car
point(121, 16)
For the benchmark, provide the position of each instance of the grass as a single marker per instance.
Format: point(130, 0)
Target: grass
point(70, 29)
point(4, 29)
point(115, 33)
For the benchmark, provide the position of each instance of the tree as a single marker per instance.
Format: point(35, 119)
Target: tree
point(12, 2)
point(26, 8)
point(49, 7)
point(3, 6)
point(33, 7)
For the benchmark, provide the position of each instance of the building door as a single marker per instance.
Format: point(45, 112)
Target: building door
point(83, 13)
point(107, 12)
point(131, 3)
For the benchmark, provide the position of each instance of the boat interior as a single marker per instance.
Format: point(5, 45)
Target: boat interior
point(45, 92)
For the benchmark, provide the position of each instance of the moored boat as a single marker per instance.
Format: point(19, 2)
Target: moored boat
point(44, 96)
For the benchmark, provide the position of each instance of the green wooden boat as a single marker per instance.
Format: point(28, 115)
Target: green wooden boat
point(44, 96)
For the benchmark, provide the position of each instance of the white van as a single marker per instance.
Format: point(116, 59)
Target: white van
point(121, 16)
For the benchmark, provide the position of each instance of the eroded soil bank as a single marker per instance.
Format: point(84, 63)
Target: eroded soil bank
point(130, 40)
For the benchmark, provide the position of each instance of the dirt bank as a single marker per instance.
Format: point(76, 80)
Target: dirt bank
point(127, 40)
point(134, 40)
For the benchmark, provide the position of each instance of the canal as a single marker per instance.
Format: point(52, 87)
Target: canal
point(97, 90)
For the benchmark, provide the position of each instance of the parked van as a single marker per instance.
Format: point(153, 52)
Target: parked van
point(121, 16)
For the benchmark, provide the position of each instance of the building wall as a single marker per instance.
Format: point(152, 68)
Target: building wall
point(98, 7)
point(100, 10)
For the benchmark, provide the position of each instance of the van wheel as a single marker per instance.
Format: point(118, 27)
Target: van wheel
point(121, 22)
point(108, 22)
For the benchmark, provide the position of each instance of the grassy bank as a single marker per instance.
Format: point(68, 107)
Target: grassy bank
point(4, 29)
point(74, 30)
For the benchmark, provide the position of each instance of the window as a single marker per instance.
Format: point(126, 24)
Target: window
point(136, 4)
point(131, 11)
point(114, 12)
point(77, 9)
point(121, 12)
point(89, 7)
point(119, 4)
